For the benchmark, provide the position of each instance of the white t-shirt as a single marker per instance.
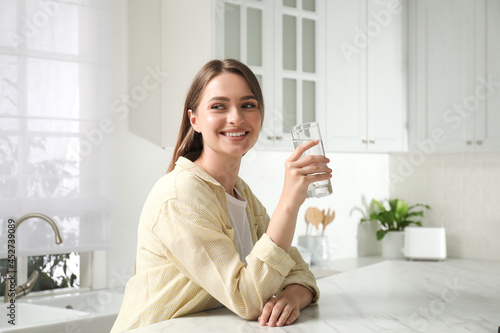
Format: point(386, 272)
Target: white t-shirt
point(239, 221)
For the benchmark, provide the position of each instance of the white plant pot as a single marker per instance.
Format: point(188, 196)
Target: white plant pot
point(393, 244)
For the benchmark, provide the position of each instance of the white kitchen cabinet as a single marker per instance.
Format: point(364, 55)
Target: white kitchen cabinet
point(169, 41)
point(279, 40)
point(454, 75)
point(487, 118)
point(366, 76)
point(283, 43)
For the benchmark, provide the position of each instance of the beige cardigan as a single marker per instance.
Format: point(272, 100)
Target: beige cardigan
point(187, 258)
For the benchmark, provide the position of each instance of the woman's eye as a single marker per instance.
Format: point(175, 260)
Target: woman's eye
point(218, 107)
point(248, 106)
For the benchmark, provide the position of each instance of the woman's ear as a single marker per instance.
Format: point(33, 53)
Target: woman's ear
point(193, 120)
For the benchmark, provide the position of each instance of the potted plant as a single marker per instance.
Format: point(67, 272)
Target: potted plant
point(392, 221)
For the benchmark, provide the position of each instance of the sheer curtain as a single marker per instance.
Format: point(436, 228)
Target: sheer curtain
point(55, 124)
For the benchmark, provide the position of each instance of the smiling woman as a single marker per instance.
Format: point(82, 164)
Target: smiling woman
point(190, 141)
point(204, 239)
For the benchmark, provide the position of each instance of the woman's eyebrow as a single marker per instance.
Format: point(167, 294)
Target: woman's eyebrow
point(244, 98)
point(220, 98)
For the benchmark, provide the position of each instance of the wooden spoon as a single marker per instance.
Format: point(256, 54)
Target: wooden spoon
point(314, 216)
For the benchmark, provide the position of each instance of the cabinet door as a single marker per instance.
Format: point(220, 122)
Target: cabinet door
point(386, 76)
point(161, 51)
point(366, 76)
point(487, 90)
point(442, 74)
point(243, 30)
point(298, 66)
point(346, 75)
point(281, 41)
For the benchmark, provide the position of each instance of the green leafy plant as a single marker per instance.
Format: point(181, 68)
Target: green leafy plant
point(396, 217)
point(54, 271)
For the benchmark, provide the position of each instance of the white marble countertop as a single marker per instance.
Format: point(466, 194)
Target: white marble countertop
point(389, 296)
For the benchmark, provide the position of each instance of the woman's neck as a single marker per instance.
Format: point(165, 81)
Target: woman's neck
point(223, 169)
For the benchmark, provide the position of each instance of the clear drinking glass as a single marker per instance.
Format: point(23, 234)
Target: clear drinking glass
point(307, 132)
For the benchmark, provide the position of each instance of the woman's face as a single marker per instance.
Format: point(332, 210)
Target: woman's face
point(228, 116)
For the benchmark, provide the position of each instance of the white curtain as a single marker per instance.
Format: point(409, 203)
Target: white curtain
point(55, 124)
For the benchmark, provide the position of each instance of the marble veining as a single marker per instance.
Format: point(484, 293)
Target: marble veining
point(390, 296)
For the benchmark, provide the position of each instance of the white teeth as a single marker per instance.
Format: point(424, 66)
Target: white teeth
point(234, 133)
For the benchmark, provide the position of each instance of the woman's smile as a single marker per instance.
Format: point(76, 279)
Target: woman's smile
point(235, 135)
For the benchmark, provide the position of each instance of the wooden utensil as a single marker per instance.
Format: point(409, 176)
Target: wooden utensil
point(314, 216)
point(328, 217)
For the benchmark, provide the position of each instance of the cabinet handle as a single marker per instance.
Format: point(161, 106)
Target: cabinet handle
point(279, 138)
point(468, 142)
point(479, 142)
point(372, 141)
point(364, 141)
point(274, 138)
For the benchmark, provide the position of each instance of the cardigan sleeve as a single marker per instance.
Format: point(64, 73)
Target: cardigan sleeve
point(200, 246)
point(300, 272)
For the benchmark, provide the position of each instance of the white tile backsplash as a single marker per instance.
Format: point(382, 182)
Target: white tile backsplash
point(463, 191)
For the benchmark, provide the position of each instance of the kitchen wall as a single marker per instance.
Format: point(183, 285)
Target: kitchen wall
point(137, 165)
point(463, 191)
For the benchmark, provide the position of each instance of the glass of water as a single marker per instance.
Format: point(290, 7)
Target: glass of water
point(308, 132)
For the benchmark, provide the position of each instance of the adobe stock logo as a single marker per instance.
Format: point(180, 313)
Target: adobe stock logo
point(419, 320)
point(40, 19)
point(453, 117)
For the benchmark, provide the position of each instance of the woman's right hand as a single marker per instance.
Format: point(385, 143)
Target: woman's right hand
point(301, 172)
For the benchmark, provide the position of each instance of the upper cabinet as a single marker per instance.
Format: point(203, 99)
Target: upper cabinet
point(366, 75)
point(454, 75)
point(169, 41)
point(283, 43)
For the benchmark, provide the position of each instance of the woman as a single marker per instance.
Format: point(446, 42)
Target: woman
point(204, 240)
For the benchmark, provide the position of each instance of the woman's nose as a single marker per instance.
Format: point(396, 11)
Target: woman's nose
point(235, 117)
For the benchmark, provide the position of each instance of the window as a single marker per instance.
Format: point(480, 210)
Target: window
point(56, 271)
point(55, 128)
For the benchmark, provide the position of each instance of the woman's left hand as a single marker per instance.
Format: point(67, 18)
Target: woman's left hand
point(285, 309)
point(279, 311)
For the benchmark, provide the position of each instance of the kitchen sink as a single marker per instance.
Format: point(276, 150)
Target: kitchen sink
point(33, 315)
point(96, 301)
point(86, 311)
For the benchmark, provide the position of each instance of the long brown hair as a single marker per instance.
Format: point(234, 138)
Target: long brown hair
point(189, 142)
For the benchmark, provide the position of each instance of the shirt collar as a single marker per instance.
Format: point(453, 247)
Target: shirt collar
point(191, 167)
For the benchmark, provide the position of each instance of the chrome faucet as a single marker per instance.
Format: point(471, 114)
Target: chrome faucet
point(25, 288)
